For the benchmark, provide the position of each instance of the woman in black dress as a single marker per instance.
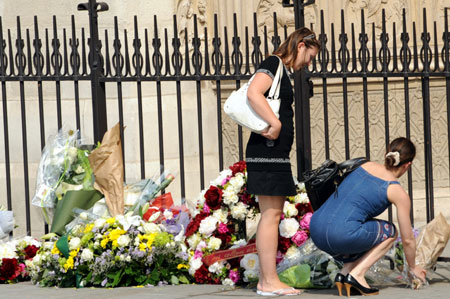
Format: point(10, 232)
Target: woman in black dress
point(267, 154)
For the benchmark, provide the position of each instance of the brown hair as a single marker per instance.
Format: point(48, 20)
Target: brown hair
point(404, 147)
point(288, 49)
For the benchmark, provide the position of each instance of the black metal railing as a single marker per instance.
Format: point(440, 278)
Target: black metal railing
point(116, 57)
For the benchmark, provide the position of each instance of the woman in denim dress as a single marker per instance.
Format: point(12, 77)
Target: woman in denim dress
point(345, 227)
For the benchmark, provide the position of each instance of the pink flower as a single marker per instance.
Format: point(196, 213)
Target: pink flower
point(22, 269)
point(300, 237)
point(279, 257)
point(223, 229)
point(206, 208)
point(304, 223)
point(198, 254)
point(234, 276)
point(225, 180)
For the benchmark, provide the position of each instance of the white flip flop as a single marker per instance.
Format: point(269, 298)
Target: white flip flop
point(280, 292)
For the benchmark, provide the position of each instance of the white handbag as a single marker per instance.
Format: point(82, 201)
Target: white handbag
point(239, 109)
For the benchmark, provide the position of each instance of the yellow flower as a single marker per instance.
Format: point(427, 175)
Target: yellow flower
point(139, 286)
point(104, 242)
point(111, 220)
point(69, 263)
point(181, 266)
point(150, 239)
point(88, 228)
point(55, 249)
point(74, 252)
point(116, 233)
point(142, 247)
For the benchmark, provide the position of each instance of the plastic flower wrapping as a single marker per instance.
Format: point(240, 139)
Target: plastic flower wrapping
point(16, 257)
point(63, 167)
point(6, 222)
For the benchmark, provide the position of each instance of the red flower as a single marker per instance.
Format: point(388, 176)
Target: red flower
point(225, 237)
point(213, 198)
point(9, 269)
point(238, 167)
point(304, 208)
point(30, 251)
point(203, 276)
point(283, 244)
point(248, 200)
point(195, 224)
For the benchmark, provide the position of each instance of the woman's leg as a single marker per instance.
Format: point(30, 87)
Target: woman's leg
point(348, 267)
point(271, 208)
point(363, 264)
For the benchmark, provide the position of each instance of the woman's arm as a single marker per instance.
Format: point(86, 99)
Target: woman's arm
point(400, 198)
point(260, 84)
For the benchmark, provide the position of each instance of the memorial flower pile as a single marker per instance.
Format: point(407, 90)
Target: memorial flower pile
point(15, 259)
point(218, 223)
point(294, 224)
point(113, 252)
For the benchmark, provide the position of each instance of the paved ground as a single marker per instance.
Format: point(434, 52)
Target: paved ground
point(439, 288)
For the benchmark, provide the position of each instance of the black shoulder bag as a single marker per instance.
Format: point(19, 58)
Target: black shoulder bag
point(321, 182)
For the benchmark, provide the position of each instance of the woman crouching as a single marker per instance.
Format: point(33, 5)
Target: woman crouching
point(344, 226)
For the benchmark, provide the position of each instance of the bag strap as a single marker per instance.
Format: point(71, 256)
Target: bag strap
point(275, 88)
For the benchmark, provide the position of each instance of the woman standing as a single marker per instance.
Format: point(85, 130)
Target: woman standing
point(344, 226)
point(267, 154)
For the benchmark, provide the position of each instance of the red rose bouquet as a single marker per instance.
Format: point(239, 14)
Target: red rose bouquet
point(15, 258)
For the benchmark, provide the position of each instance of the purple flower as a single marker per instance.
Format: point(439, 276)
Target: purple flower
point(137, 253)
point(183, 255)
point(104, 282)
point(149, 259)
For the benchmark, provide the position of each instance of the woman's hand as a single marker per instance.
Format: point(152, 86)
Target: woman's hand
point(419, 272)
point(273, 131)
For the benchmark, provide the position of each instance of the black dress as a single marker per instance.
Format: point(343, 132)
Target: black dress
point(268, 164)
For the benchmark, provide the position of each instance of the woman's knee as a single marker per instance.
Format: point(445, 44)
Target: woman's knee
point(272, 214)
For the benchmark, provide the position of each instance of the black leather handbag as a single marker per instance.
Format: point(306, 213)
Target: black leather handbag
point(323, 181)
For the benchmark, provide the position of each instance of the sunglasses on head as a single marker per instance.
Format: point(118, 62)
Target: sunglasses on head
point(311, 36)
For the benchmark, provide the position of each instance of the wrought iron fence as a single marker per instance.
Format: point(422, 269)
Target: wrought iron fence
point(116, 57)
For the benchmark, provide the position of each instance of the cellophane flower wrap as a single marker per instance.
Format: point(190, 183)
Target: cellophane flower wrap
point(15, 259)
point(121, 251)
point(63, 166)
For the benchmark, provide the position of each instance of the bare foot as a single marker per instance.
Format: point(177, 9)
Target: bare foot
point(275, 286)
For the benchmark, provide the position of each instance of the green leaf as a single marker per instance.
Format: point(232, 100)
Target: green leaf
point(183, 279)
point(174, 280)
point(155, 275)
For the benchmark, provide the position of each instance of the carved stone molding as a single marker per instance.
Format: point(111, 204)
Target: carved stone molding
point(185, 11)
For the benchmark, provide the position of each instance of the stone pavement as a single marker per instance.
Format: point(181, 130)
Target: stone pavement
point(439, 288)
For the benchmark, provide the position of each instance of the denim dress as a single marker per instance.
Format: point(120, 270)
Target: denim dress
point(344, 226)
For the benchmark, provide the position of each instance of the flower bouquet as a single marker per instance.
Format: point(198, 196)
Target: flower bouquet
point(218, 223)
point(113, 252)
point(64, 167)
point(15, 259)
